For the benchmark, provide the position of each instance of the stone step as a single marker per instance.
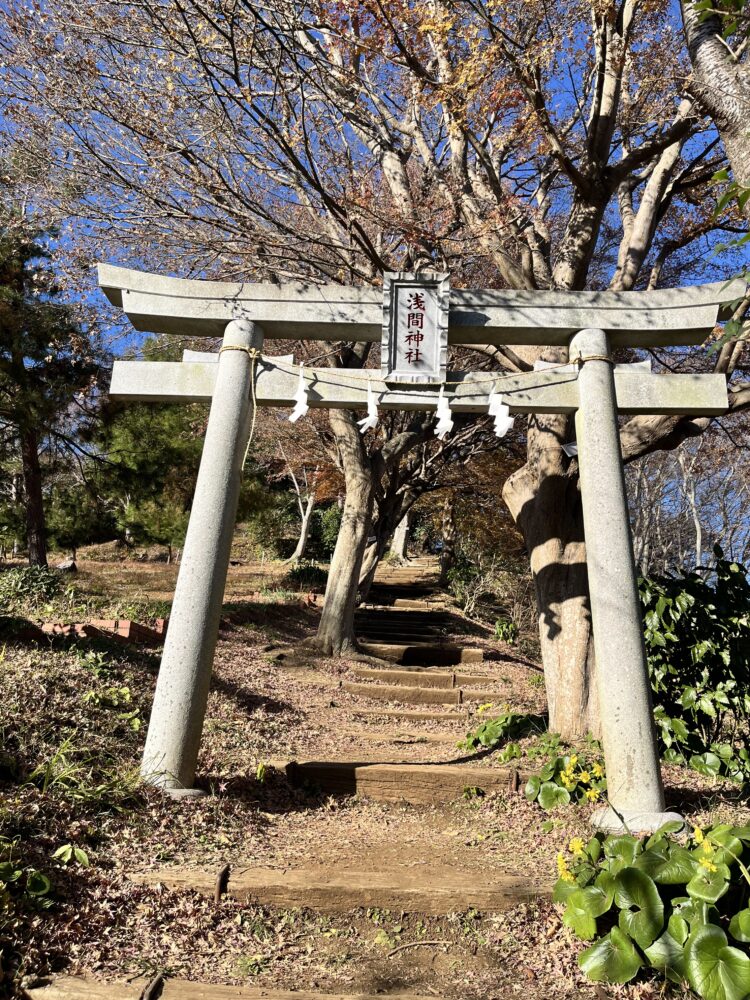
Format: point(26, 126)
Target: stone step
point(75, 988)
point(418, 784)
point(431, 890)
point(417, 677)
point(411, 716)
point(420, 695)
point(424, 654)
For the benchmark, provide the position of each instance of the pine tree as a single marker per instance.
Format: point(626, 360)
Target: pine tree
point(45, 359)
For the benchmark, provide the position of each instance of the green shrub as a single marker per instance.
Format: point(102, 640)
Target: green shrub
point(25, 587)
point(679, 907)
point(698, 644)
point(306, 576)
point(498, 730)
point(506, 630)
point(329, 525)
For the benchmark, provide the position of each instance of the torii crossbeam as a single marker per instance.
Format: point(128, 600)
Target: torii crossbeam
point(589, 323)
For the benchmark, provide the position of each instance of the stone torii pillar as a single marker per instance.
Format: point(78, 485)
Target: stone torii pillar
point(592, 388)
point(174, 732)
point(634, 785)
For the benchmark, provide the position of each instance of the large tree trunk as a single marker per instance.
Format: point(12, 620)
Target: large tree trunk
point(721, 85)
point(36, 531)
point(400, 540)
point(335, 634)
point(448, 551)
point(544, 500)
point(388, 518)
point(304, 531)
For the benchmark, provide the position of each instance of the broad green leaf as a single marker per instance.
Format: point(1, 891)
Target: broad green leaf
point(706, 763)
point(715, 970)
point(549, 770)
point(642, 909)
point(621, 850)
point(532, 788)
point(652, 858)
point(678, 928)
point(694, 911)
point(9, 872)
point(677, 869)
point(551, 796)
point(594, 848)
point(668, 956)
point(37, 884)
point(729, 846)
point(708, 887)
point(673, 826)
point(563, 890)
point(739, 926)
point(584, 906)
point(612, 959)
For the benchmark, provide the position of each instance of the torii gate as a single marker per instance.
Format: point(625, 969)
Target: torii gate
point(591, 324)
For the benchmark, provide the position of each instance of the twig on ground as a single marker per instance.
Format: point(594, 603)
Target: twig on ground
point(416, 944)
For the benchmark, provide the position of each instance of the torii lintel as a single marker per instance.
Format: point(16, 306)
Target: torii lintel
point(305, 310)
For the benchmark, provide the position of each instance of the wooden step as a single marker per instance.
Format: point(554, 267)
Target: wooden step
point(411, 716)
point(373, 734)
point(434, 891)
point(424, 654)
point(419, 677)
point(426, 679)
point(75, 988)
point(420, 695)
point(419, 784)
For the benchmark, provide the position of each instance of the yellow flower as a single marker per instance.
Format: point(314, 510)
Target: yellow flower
point(598, 771)
point(562, 868)
point(576, 845)
point(573, 760)
point(698, 835)
point(708, 865)
point(708, 848)
point(584, 777)
point(486, 707)
point(592, 794)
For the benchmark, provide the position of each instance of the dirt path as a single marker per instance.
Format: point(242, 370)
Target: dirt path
point(334, 878)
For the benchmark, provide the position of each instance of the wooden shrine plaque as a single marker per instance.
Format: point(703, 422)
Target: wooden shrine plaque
point(414, 347)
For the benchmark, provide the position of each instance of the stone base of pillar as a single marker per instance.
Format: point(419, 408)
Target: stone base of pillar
point(633, 821)
point(183, 793)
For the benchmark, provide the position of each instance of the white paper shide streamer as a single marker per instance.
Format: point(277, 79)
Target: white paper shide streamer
point(300, 399)
point(501, 413)
point(444, 418)
point(370, 422)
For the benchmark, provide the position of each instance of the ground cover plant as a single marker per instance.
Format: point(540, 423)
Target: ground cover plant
point(697, 632)
point(678, 906)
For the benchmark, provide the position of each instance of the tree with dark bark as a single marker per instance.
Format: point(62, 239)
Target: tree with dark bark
point(44, 361)
point(540, 146)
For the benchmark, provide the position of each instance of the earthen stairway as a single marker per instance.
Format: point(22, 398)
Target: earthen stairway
point(421, 885)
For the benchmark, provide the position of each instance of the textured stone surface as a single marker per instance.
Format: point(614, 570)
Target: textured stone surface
point(628, 737)
point(293, 310)
point(530, 392)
